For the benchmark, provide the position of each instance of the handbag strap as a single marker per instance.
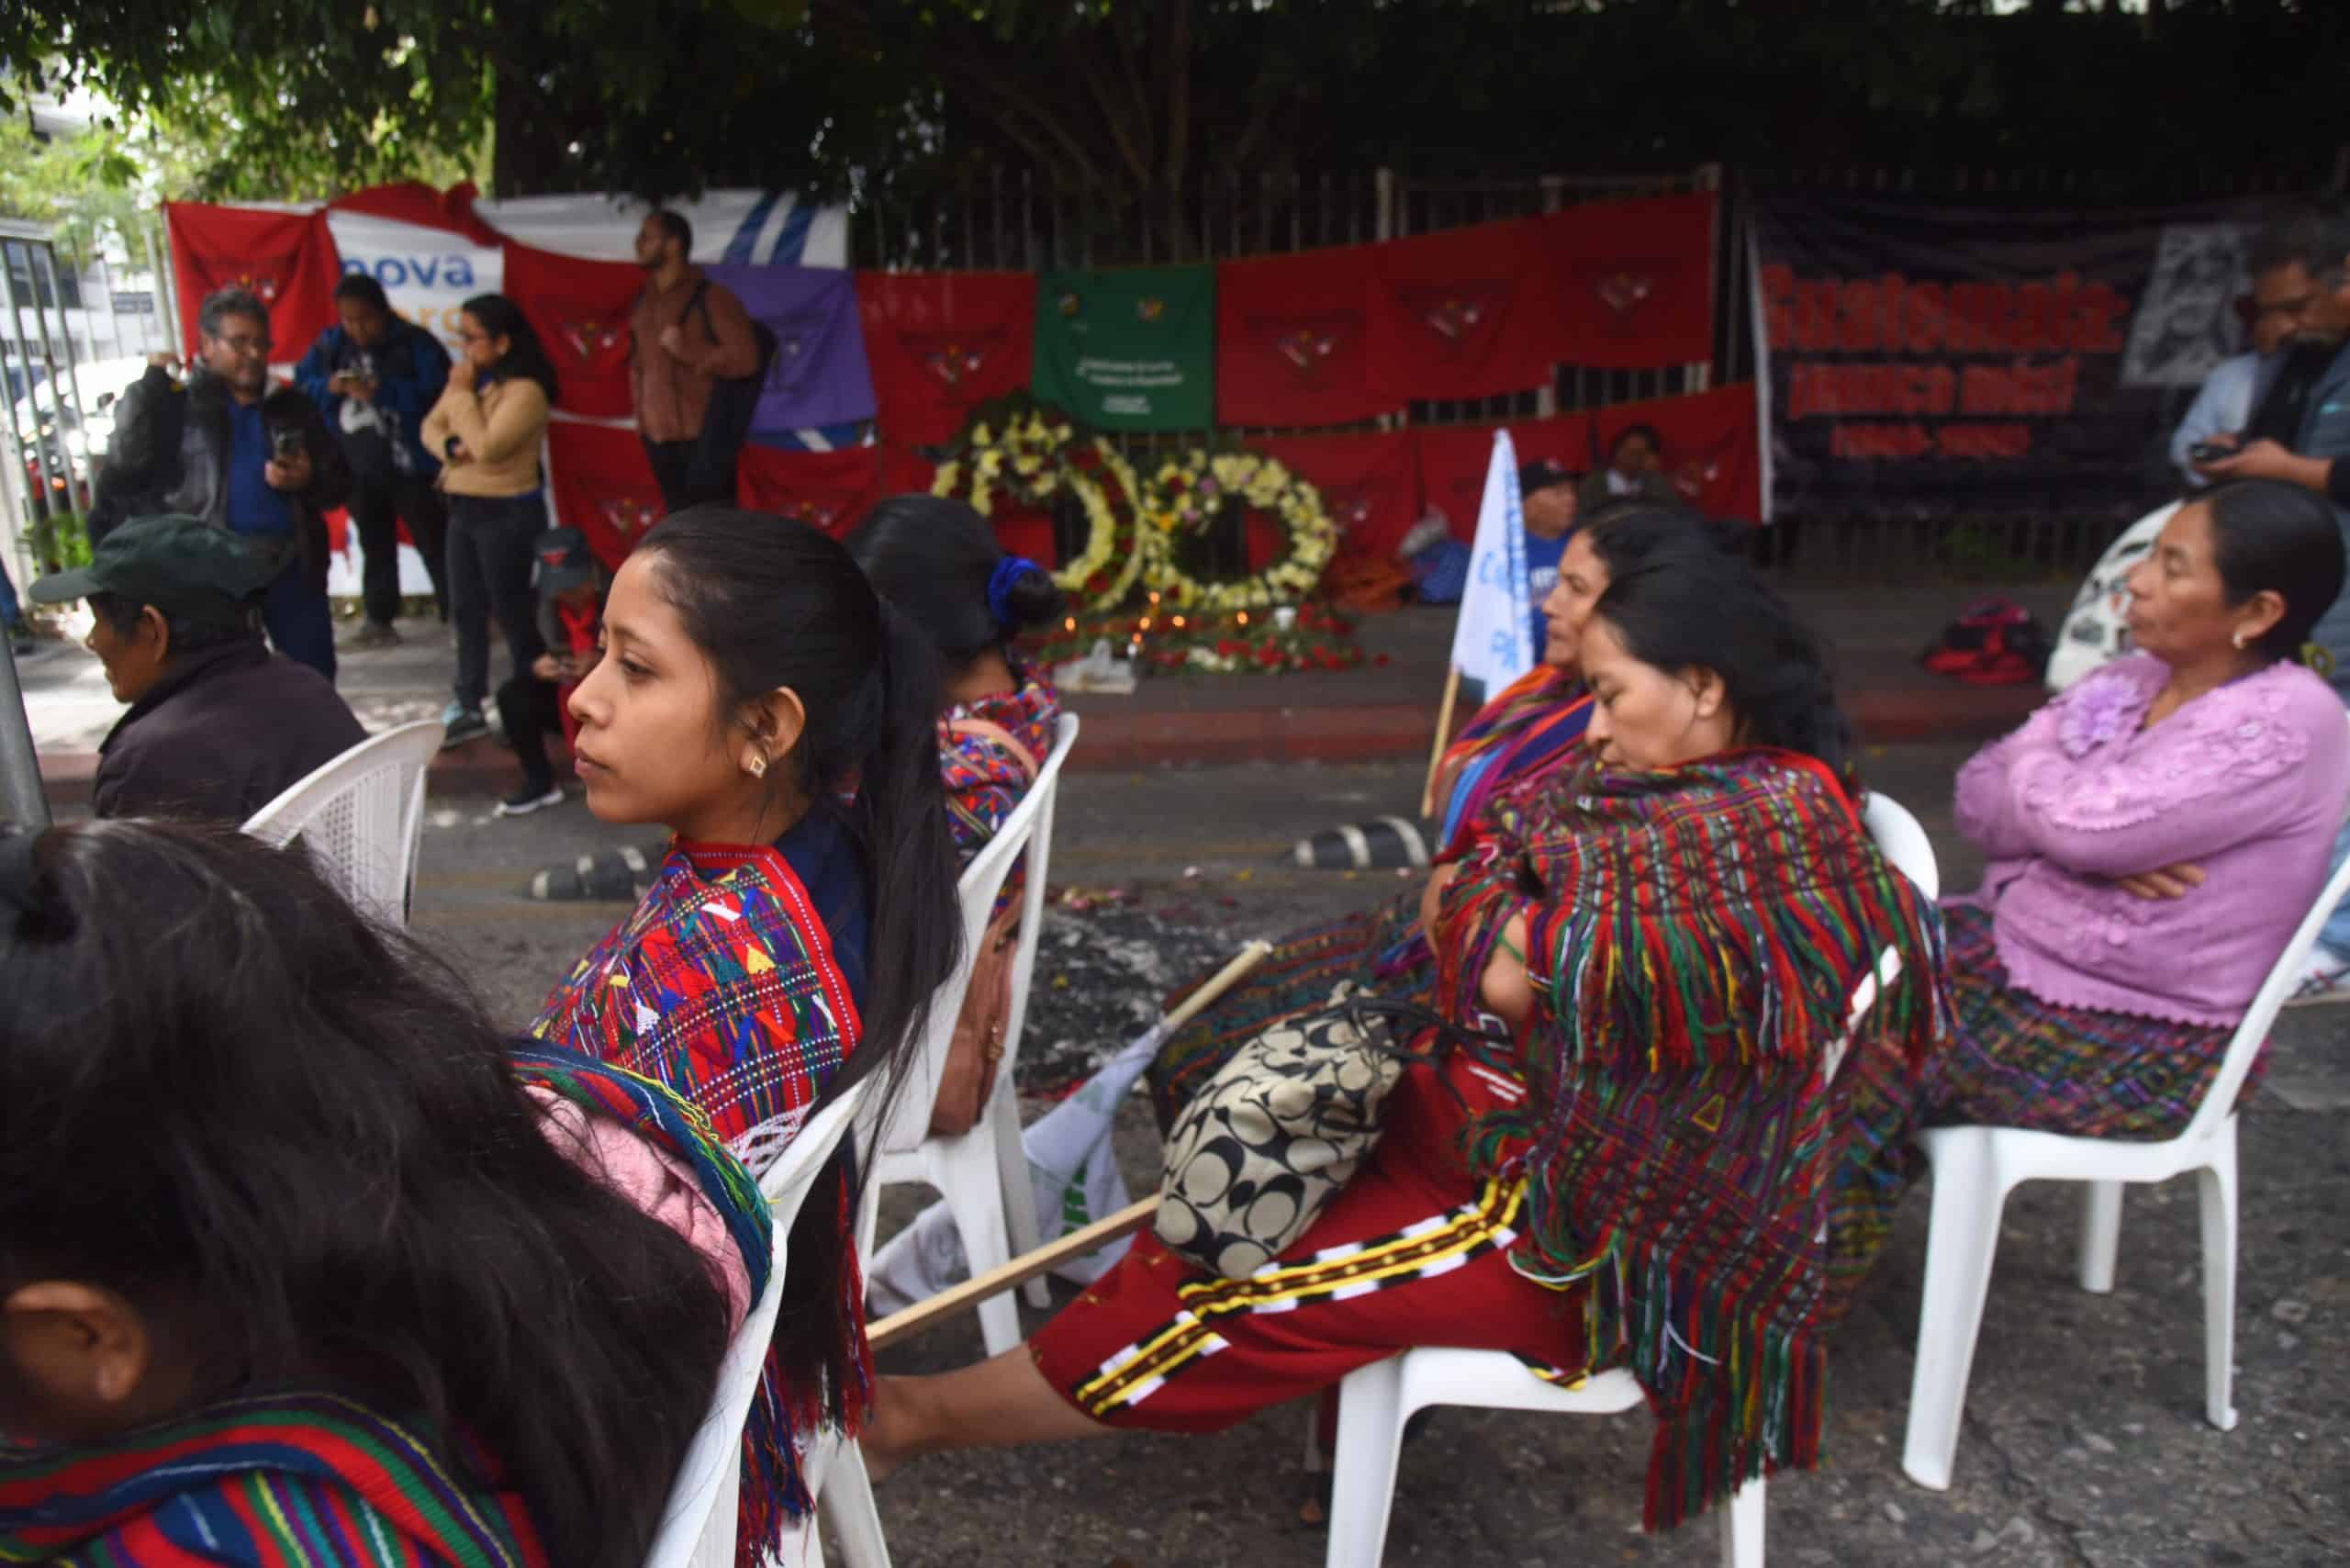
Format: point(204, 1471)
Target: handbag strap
point(996, 734)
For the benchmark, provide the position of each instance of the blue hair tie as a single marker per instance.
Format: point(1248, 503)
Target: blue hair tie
point(1008, 571)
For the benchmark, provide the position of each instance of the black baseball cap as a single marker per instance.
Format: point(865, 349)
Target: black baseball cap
point(187, 569)
point(565, 560)
point(1541, 474)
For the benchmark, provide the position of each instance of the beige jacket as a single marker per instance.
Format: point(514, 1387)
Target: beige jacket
point(499, 432)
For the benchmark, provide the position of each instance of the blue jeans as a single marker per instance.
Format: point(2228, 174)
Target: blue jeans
point(12, 615)
point(300, 623)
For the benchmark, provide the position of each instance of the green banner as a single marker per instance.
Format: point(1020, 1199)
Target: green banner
point(1132, 350)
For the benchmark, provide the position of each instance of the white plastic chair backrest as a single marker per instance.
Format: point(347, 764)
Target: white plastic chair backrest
point(1902, 840)
point(2219, 1100)
point(695, 1532)
point(361, 817)
point(1028, 829)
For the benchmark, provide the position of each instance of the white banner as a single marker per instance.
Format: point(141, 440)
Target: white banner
point(1493, 640)
point(426, 273)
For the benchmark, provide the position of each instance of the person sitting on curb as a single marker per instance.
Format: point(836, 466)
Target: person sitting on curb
point(536, 703)
point(218, 725)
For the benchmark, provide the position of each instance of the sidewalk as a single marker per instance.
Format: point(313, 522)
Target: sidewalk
point(1380, 711)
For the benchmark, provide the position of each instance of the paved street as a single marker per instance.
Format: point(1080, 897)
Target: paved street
point(2084, 1442)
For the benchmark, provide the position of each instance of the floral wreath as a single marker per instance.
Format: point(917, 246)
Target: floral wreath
point(1033, 459)
point(1186, 493)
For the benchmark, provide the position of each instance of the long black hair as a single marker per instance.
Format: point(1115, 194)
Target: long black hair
point(773, 602)
point(2267, 535)
point(1690, 605)
point(936, 560)
point(1623, 534)
point(293, 1141)
point(525, 357)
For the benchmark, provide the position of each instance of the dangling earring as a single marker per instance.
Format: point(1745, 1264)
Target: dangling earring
point(757, 766)
point(2238, 640)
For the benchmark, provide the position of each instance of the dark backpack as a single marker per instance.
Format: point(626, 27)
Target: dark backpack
point(1993, 642)
point(733, 401)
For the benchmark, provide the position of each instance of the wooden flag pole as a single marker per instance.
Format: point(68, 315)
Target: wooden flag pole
point(924, 1316)
point(1443, 734)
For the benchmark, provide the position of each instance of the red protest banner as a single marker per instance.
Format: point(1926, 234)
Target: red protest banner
point(1370, 484)
point(1629, 284)
point(1453, 460)
point(831, 490)
point(942, 344)
point(1292, 340)
point(580, 311)
point(1462, 313)
point(603, 485)
point(286, 260)
point(1708, 443)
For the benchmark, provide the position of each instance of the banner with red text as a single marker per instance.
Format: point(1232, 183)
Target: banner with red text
point(1928, 359)
point(580, 311)
point(831, 490)
point(285, 259)
point(603, 485)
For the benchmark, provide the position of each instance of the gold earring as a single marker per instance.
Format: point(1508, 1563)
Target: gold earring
point(758, 766)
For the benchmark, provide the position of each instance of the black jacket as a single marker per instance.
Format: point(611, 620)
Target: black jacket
point(170, 453)
point(220, 735)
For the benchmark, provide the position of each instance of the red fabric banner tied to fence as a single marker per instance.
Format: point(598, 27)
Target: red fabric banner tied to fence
point(580, 311)
point(1370, 484)
point(1453, 460)
point(1462, 313)
point(942, 344)
point(831, 490)
point(1631, 282)
point(603, 485)
point(285, 259)
point(1292, 340)
point(1711, 449)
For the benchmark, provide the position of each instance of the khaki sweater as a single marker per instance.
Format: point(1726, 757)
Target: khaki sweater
point(500, 431)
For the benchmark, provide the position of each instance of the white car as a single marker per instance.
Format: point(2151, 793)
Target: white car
point(2095, 630)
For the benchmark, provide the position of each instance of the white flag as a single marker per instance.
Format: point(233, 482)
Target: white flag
point(1493, 640)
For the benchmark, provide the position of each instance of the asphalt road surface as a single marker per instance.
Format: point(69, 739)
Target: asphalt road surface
point(2084, 1443)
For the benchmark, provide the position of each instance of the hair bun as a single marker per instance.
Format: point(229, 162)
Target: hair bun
point(1022, 593)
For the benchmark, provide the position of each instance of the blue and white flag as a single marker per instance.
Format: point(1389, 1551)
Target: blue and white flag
point(1493, 640)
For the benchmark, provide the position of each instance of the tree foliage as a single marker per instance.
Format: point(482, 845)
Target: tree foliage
point(1146, 97)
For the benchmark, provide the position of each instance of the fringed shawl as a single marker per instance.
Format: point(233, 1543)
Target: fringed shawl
point(292, 1481)
point(720, 987)
point(1525, 729)
point(1697, 939)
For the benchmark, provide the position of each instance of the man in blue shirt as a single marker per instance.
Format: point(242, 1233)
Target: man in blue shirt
point(1546, 494)
point(236, 454)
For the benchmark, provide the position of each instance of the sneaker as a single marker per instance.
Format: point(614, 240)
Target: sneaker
point(529, 799)
point(370, 635)
point(461, 723)
point(2325, 977)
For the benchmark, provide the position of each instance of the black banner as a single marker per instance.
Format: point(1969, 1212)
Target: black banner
point(1932, 360)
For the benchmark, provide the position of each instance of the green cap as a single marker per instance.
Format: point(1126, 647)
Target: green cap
point(183, 567)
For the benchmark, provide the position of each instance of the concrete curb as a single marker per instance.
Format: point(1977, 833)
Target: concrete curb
point(1381, 731)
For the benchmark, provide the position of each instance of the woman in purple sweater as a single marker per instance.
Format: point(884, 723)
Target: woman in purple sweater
point(2155, 835)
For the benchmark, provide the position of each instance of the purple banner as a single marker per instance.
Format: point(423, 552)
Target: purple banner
point(819, 376)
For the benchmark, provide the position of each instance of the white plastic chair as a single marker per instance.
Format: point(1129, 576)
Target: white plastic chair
point(983, 1175)
point(698, 1526)
point(361, 818)
point(1975, 1168)
point(1375, 1401)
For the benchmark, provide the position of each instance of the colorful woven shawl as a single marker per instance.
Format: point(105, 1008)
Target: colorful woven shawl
point(1697, 937)
point(1522, 730)
point(720, 988)
point(295, 1481)
point(983, 782)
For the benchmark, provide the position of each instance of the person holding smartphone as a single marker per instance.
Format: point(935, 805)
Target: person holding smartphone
point(237, 453)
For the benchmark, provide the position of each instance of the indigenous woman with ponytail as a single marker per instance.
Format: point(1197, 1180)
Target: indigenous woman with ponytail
point(1684, 933)
point(937, 563)
point(1535, 725)
point(755, 697)
point(300, 1264)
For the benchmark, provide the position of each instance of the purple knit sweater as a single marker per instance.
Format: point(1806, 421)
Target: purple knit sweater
point(2247, 781)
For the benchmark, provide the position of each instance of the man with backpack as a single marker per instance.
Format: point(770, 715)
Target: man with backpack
point(694, 363)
